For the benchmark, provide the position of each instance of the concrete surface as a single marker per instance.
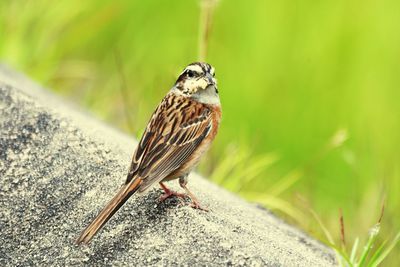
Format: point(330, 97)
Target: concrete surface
point(59, 167)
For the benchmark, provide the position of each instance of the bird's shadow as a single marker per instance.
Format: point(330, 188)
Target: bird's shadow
point(145, 212)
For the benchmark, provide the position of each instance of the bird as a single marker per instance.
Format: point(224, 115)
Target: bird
point(177, 135)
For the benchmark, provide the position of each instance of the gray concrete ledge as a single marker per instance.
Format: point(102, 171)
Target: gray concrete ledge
point(59, 167)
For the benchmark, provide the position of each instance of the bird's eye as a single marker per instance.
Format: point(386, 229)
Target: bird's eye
point(216, 90)
point(190, 74)
point(214, 74)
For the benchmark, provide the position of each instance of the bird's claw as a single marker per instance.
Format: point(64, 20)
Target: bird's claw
point(196, 205)
point(171, 193)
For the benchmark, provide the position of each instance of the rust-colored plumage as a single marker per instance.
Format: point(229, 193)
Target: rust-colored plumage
point(180, 130)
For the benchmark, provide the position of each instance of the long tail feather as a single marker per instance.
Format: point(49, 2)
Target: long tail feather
point(109, 210)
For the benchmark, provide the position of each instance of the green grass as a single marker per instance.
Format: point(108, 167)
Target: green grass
point(310, 92)
point(372, 254)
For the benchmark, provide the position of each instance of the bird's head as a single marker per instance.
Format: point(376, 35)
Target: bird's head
point(197, 80)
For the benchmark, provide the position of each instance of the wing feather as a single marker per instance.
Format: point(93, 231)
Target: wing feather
point(176, 129)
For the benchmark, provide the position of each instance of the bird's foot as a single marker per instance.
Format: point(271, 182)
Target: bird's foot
point(169, 193)
point(194, 202)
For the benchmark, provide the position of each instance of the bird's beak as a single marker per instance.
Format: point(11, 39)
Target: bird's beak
point(211, 80)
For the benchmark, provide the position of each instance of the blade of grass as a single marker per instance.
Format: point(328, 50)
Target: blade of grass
point(341, 256)
point(253, 168)
point(370, 243)
point(286, 182)
point(382, 256)
point(222, 171)
point(322, 225)
point(206, 15)
point(274, 203)
point(342, 234)
point(354, 250)
point(377, 253)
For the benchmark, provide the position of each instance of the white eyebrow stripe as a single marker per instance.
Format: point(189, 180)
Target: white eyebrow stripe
point(195, 68)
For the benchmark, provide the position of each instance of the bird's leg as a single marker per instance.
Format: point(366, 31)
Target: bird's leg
point(168, 193)
point(195, 203)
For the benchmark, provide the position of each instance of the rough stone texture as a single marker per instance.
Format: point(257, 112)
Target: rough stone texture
point(59, 167)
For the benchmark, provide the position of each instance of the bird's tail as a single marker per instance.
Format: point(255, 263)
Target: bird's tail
point(108, 211)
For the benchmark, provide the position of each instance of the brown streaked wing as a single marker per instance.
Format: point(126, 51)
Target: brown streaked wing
point(174, 132)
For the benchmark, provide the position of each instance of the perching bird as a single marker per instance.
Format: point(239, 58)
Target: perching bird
point(180, 130)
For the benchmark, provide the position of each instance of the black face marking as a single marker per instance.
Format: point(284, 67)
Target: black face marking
point(204, 66)
point(189, 74)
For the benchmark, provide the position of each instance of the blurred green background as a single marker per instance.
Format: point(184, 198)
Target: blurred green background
point(310, 91)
